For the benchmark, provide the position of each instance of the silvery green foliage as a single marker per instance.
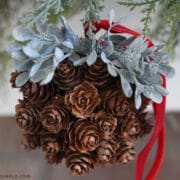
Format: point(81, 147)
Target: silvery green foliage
point(37, 56)
point(42, 11)
point(93, 8)
point(135, 63)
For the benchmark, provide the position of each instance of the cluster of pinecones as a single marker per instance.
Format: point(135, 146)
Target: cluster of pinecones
point(82, 115)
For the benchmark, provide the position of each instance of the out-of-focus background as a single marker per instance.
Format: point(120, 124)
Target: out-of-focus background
point(32, 165)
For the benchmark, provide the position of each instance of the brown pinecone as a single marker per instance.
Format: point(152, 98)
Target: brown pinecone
point(54, 117)
point(30, 141)
point(145, 103)
point(83, 136)
point(106, 123)
point(146, 124)
point(27, 117)
point(106, 151)
point(130, 125)
point(67, 76)
point(98, 74)
point(79, 163)
point(54, 158)
point(51, 144)
point(38, 94)
point(115, 102)
point(125, 152)
point(13, 79)
point(82, 100)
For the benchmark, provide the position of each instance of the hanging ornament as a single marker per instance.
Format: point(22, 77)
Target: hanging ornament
point(84, 99)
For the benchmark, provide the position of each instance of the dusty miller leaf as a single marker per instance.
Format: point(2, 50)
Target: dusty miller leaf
point(126, 87)
point(22, 79)
point(48, 78)
point(30, 52)
point(111, 16)
point(92, 58)
point(166, 70)
point(104, 58)
point(23, 34)
point(111, 70)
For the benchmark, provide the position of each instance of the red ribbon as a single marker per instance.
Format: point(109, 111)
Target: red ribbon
point(159, 111)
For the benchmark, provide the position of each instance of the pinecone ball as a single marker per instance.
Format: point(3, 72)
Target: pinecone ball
point(83, 136)
point(84, 99)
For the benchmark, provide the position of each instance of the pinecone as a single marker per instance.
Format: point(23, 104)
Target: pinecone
point(82, 100)
point(106, 123)
point(79, 163)
point(130, 125)
point(125, 152)
point(67, 76)
point(38, 94)
point(54, 158)
point(54, 117)
point(13, 79)
point(106, 151)
point(51, 144)
point(30, 141)
point(27, 117)
point(98, 74)
point(83, 136)
point(146, 124)
point(115, 102)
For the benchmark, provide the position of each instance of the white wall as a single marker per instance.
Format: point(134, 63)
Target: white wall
point(8, 97)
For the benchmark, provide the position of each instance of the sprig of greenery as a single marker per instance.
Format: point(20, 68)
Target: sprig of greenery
point(93, 8)
point(170, 18)
point(43, 10)
point(147, 19)
point(132, 3)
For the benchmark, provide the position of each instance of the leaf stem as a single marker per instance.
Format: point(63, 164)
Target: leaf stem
point(41, 13)
point(136, 3)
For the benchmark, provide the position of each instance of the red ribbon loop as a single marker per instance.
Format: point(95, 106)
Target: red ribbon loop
point(159, 112)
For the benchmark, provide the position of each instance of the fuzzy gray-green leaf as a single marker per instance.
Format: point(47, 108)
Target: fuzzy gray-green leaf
point(34, 69)
point(111, 16)
point(138, 99)
point(23, 34)
point(111, 70)
point(30, 52)
point(104, 58)
point(22, 79)
point(92, 58)
point(161, 90)
point(166, 70)
point(48, 78)
point(126, 87)
point(80, 61)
